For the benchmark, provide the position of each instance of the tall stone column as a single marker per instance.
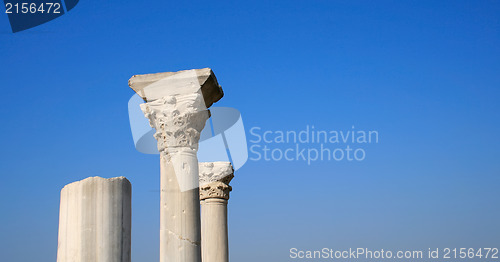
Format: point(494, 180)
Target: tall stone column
point(214, 194)
point(176, 106)
point(95, 221)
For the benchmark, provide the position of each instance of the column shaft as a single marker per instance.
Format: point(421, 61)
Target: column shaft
point(179, 215)
point(95, 221)
point(214, 242)
point(177, 108)
point(214, 194)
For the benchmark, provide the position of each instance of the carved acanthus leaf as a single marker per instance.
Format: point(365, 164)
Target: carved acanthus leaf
point(178, 120)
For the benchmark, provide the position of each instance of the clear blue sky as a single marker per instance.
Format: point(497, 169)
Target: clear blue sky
point(424, 74)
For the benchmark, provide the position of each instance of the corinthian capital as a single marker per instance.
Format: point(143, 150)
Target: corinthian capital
point(176, 105)
point(178, 120)
point(214, 179)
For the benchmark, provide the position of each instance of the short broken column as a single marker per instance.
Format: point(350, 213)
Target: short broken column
point(95, 221)
point(176, 106)
point(214, 194)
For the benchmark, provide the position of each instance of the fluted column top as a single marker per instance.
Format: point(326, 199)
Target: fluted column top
point(214, 179)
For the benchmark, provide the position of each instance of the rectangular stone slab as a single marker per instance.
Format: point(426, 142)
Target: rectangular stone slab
point(177, 83)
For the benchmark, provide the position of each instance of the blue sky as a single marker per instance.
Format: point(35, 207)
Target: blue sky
point(424, 74)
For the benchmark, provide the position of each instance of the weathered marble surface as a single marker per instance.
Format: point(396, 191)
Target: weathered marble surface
point(214, 194)
point(155, 86)
point(95, 221)
point(176, 106)
point(214, 179)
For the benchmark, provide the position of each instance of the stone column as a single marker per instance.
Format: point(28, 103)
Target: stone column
point(95, 221)
point(214, 194)
point(176, 106)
